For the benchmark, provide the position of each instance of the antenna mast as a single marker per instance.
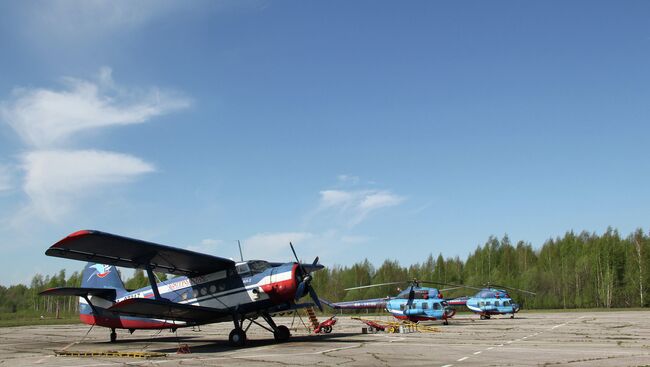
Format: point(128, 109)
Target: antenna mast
point(241, 255)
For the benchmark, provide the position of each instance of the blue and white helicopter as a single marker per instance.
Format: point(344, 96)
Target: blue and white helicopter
point(490, 300)
point(208, 289)
point(414, 304)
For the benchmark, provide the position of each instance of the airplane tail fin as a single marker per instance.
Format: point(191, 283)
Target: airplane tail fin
point(102, 276)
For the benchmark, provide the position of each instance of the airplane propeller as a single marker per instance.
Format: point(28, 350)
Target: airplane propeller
point(305, 284)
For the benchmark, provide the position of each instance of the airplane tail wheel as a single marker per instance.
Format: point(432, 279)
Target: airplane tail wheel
point(237, 338)
point(327, 329)
point(113, 336)
point(282, 333)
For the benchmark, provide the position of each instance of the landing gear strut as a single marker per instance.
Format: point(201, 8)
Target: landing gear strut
point(237, 337)
point(113, 335)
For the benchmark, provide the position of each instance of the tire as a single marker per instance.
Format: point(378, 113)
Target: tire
point(237, 338)
point(327, 329)
point(282, 334)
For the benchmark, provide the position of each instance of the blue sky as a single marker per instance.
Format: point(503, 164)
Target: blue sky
point(354, 129)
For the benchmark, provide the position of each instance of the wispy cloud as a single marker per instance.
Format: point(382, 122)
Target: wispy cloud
point(6, 178)
point(348, 179)
point(356, 206)
point(56, 176)
point(207, 246)
point(46, 118)
point(273, 245)
point(56, 179)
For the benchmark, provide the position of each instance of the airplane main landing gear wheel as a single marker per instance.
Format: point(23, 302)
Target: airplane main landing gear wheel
point(237, 337)
point(327, 329)
point(282, 333)
point(513, 316)
point(113, 336)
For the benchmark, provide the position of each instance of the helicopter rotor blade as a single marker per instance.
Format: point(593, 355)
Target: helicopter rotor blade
point(373, 285)
point(514, 289)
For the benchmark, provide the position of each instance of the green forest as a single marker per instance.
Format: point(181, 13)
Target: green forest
point(582, 270)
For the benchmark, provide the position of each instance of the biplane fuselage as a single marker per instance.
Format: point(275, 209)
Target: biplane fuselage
point(264, 287)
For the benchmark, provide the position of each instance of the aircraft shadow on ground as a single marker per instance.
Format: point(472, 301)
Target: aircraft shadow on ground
point(222, 345)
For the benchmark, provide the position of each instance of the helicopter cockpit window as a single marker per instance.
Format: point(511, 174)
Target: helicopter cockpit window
point(496, 303)
point(437, 306)
point(506, 303)
point(425, 305)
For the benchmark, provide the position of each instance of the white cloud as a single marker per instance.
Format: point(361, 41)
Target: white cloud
point(55, 179)
point(273, 245)
point(348, 179)
point(46, 118)
point(207, 246)
point(356, 206)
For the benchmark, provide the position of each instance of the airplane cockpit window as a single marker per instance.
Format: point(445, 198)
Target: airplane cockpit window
point(242, 268)
point(258, 266)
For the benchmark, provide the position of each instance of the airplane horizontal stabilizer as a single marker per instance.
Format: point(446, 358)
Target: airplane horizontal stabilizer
point(106, 293)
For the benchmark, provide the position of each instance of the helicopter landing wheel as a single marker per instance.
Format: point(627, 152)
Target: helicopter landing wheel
point(237, 337)
point(482, 317)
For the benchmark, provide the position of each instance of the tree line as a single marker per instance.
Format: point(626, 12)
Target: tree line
point(581, 270)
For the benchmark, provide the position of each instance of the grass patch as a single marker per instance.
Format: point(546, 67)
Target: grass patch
point(8, 319)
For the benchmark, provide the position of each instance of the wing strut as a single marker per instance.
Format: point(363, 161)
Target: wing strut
point(154, 285)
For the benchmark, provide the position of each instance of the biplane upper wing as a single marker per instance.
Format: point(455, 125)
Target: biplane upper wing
point(110, 249)
point(164, 309)
point(363, 304)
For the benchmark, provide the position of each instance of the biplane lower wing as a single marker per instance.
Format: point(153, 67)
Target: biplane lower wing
point(163, 309)
point(105, 293)
point(364, 304)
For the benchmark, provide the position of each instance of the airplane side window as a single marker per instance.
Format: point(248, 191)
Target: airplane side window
point(425, 305)
point(482, 303)
point(496, 303)
point(402, 307)
point(506, 303)
point(204, 291)
point(213, 288)
point(488, 303)
point(195, 293)
point(222, 285)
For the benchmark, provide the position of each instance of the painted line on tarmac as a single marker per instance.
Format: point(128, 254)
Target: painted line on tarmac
point(448, 365)
point(477, 352)
point(462, 359)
